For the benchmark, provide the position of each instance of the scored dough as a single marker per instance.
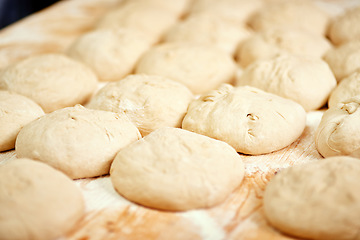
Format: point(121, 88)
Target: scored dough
point(78, 141)
point(174, 169)
point(53, 81)
point(303, 79)
point(347, 88)
point(111, 53)
point(208, 29)
point(338, 132)
point(250, 120)
point(318, 200)
point(200, 67)
point(37, 201)
point(15, 112)
point(150, 102)
point(271, 42)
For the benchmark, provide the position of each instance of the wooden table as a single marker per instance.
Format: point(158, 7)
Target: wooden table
point(110, 216)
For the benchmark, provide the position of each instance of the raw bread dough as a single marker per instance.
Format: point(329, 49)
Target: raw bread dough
point(150, 102)
point(237, 11)
point(78, 141)
point(208, 29)
point(53, 81)
point(345, 27)
point(301, 14)
point(177, 7)
point(338, 132)
point(37, 201)
point(306, 80)
point(250, 120)
point(318, 200)
point(15, 112)
point(111, 53)
point(271, 42)
point(200, 67)
point(347, 88)
point(141, 16)
point(174, 169)
point(344, 60)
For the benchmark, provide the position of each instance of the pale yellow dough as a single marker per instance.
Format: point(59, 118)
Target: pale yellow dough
point(15, 112)
point(348, 87)
point(150, 101)
point(37, 202)
point(177, 170)
point(78, 141)
point(318, 200)
point(250, 120)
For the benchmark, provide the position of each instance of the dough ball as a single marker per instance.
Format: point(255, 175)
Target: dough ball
point(250, 120)
point(78, 141)
point(237, 11)
point(200, 67)
point(111, 53)
point(141, 16)
point(208, 29)
point(347, 88)
point(53, 81)
point(271, 42)
point(339, 130)
point(15, 112)
point(344, 60)
point(173, 169)
point(177, 7)
point(150, 102)
point(345, 27)
point(292, 14)
point(37, 201)
point(306, 80)
point(318, 200)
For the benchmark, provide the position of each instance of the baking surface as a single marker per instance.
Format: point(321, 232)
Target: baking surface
point(110, 216)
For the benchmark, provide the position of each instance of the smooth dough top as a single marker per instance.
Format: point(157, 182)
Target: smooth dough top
point(15, 112)
point(306, 80)
point(318, 200)
point(200, 67)
point(250, 120)
point(53, 81)
point(301, 14)
point(346, 27)
point(348, 87)
point(78, 141)
point(178, 7)
point(274, 41)
point(110, 53)
point(174, 169)
point(32, 197)
point(338, 131)
point(344, 60)
point(150, 102)
point(209, 29)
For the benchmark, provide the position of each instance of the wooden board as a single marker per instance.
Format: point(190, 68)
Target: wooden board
point(110, 216)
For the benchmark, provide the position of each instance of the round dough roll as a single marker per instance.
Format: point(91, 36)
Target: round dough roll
point(111, 53)
point(303, 79)
point(177, 7)
point(53, 81)
point(37, 201)
point(174, 169)
point(208, 29)
point(318, 200)
point(200, 67)
point(271, 42)
point(15, 112)
point(250, 120)
point(338, 132)
point(150, 102)
point(345, 27)
point(344, 60)
point(349, 87)
point(78, 141)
